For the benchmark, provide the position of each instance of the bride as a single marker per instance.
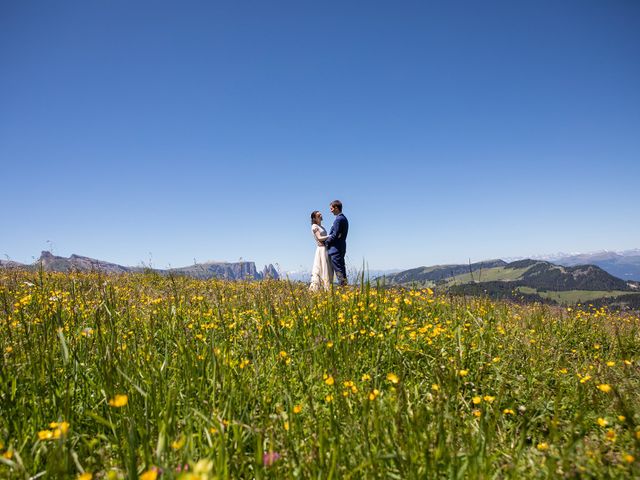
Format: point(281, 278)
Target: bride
point(321, 273)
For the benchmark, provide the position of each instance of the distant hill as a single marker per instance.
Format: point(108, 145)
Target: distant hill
point(529, 280)
point(225, 270)
point(625, 265)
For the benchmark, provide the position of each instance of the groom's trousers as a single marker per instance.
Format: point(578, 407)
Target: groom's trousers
point(339, 268)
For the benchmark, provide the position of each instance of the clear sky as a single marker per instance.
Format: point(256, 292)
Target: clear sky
point(168, 131)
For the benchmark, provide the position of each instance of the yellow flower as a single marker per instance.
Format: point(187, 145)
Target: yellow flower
point(328, 398)
point(119, 401)
point(297, 409)
point(611, 435)
point(329, 380)
point(488, 398)
point(374, 394)
point(149, 475)
point(435, 387)
point(282, 354)
point(604, 388)
point(602, 422)
point(611, 364)
point(463, 373)
point(629, 458)
point(543, 447)
point(329, 344)
point(8, 349)
point(622, 418)
point(476, 413)
point(585, 379)
point(366, 377)
point(85, 476)
point(476, 400)
point(179, 443)
point(392, 377)
point(8, 454)
point(45, 435)
point(508, 411)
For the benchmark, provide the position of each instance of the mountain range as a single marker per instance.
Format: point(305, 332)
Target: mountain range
point(223, 270)
point(625, 265)
point(534, 280)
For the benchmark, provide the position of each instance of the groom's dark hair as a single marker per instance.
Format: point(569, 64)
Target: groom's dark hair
point(337, 204)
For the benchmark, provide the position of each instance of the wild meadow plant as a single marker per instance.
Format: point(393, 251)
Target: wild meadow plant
point(144, 376)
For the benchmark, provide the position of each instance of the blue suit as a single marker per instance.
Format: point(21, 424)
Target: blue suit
point(337, 246)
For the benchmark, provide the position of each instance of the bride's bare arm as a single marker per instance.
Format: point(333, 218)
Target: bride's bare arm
point(320, 238)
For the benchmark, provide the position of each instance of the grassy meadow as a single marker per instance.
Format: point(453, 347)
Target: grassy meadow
point(143, 376)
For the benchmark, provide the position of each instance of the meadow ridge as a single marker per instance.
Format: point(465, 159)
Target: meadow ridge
point(145, 376)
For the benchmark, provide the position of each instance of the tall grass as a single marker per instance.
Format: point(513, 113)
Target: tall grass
point(142, 375)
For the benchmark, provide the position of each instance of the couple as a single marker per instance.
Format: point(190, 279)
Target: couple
point(330, 249)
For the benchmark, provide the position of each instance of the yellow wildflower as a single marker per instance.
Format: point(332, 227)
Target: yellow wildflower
point(435, 387)
point(463, 373)
point(508, 411)
point(297, 409)
point(602, 422)
point(629, 458)
point(392, 377)
point(85, 476)
point(119, 401)
point(543, 446)
point(149, 475)
point(604, 388)
point(476, 400)
point(329, 380)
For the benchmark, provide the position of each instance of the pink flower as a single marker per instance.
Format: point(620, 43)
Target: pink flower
point(270, 458)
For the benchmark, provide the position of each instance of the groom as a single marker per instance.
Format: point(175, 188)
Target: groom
point(336, 243)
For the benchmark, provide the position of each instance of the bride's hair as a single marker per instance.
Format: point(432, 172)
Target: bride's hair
point(313, 216)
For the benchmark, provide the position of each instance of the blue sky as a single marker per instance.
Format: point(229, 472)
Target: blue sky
point(165, 132)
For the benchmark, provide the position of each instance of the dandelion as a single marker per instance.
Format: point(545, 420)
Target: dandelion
point(621, 418)
point(179, 443)
point(149, 475)
point(611, 435)
point(85, 476)
point(328, 398)
point(435, 387)
point(329, 380)
point(508, 411)
point(476, 400)
point(374, 394)
point(366, 377)
point(543, 446)
point(286, 426)
point(476, 413)
point(119, 401)
point(45, 435)
point(629, 458)
point(611, 364)
point(602, 422)
point(603, 387)
point(488, 398)
point(392, 377)
point(585, 379)
point(297, 409)
point(463, 373)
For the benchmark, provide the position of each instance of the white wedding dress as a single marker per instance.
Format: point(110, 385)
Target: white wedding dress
point(321, 273)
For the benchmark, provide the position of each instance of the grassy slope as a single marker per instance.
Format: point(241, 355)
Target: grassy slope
point(358, 383)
